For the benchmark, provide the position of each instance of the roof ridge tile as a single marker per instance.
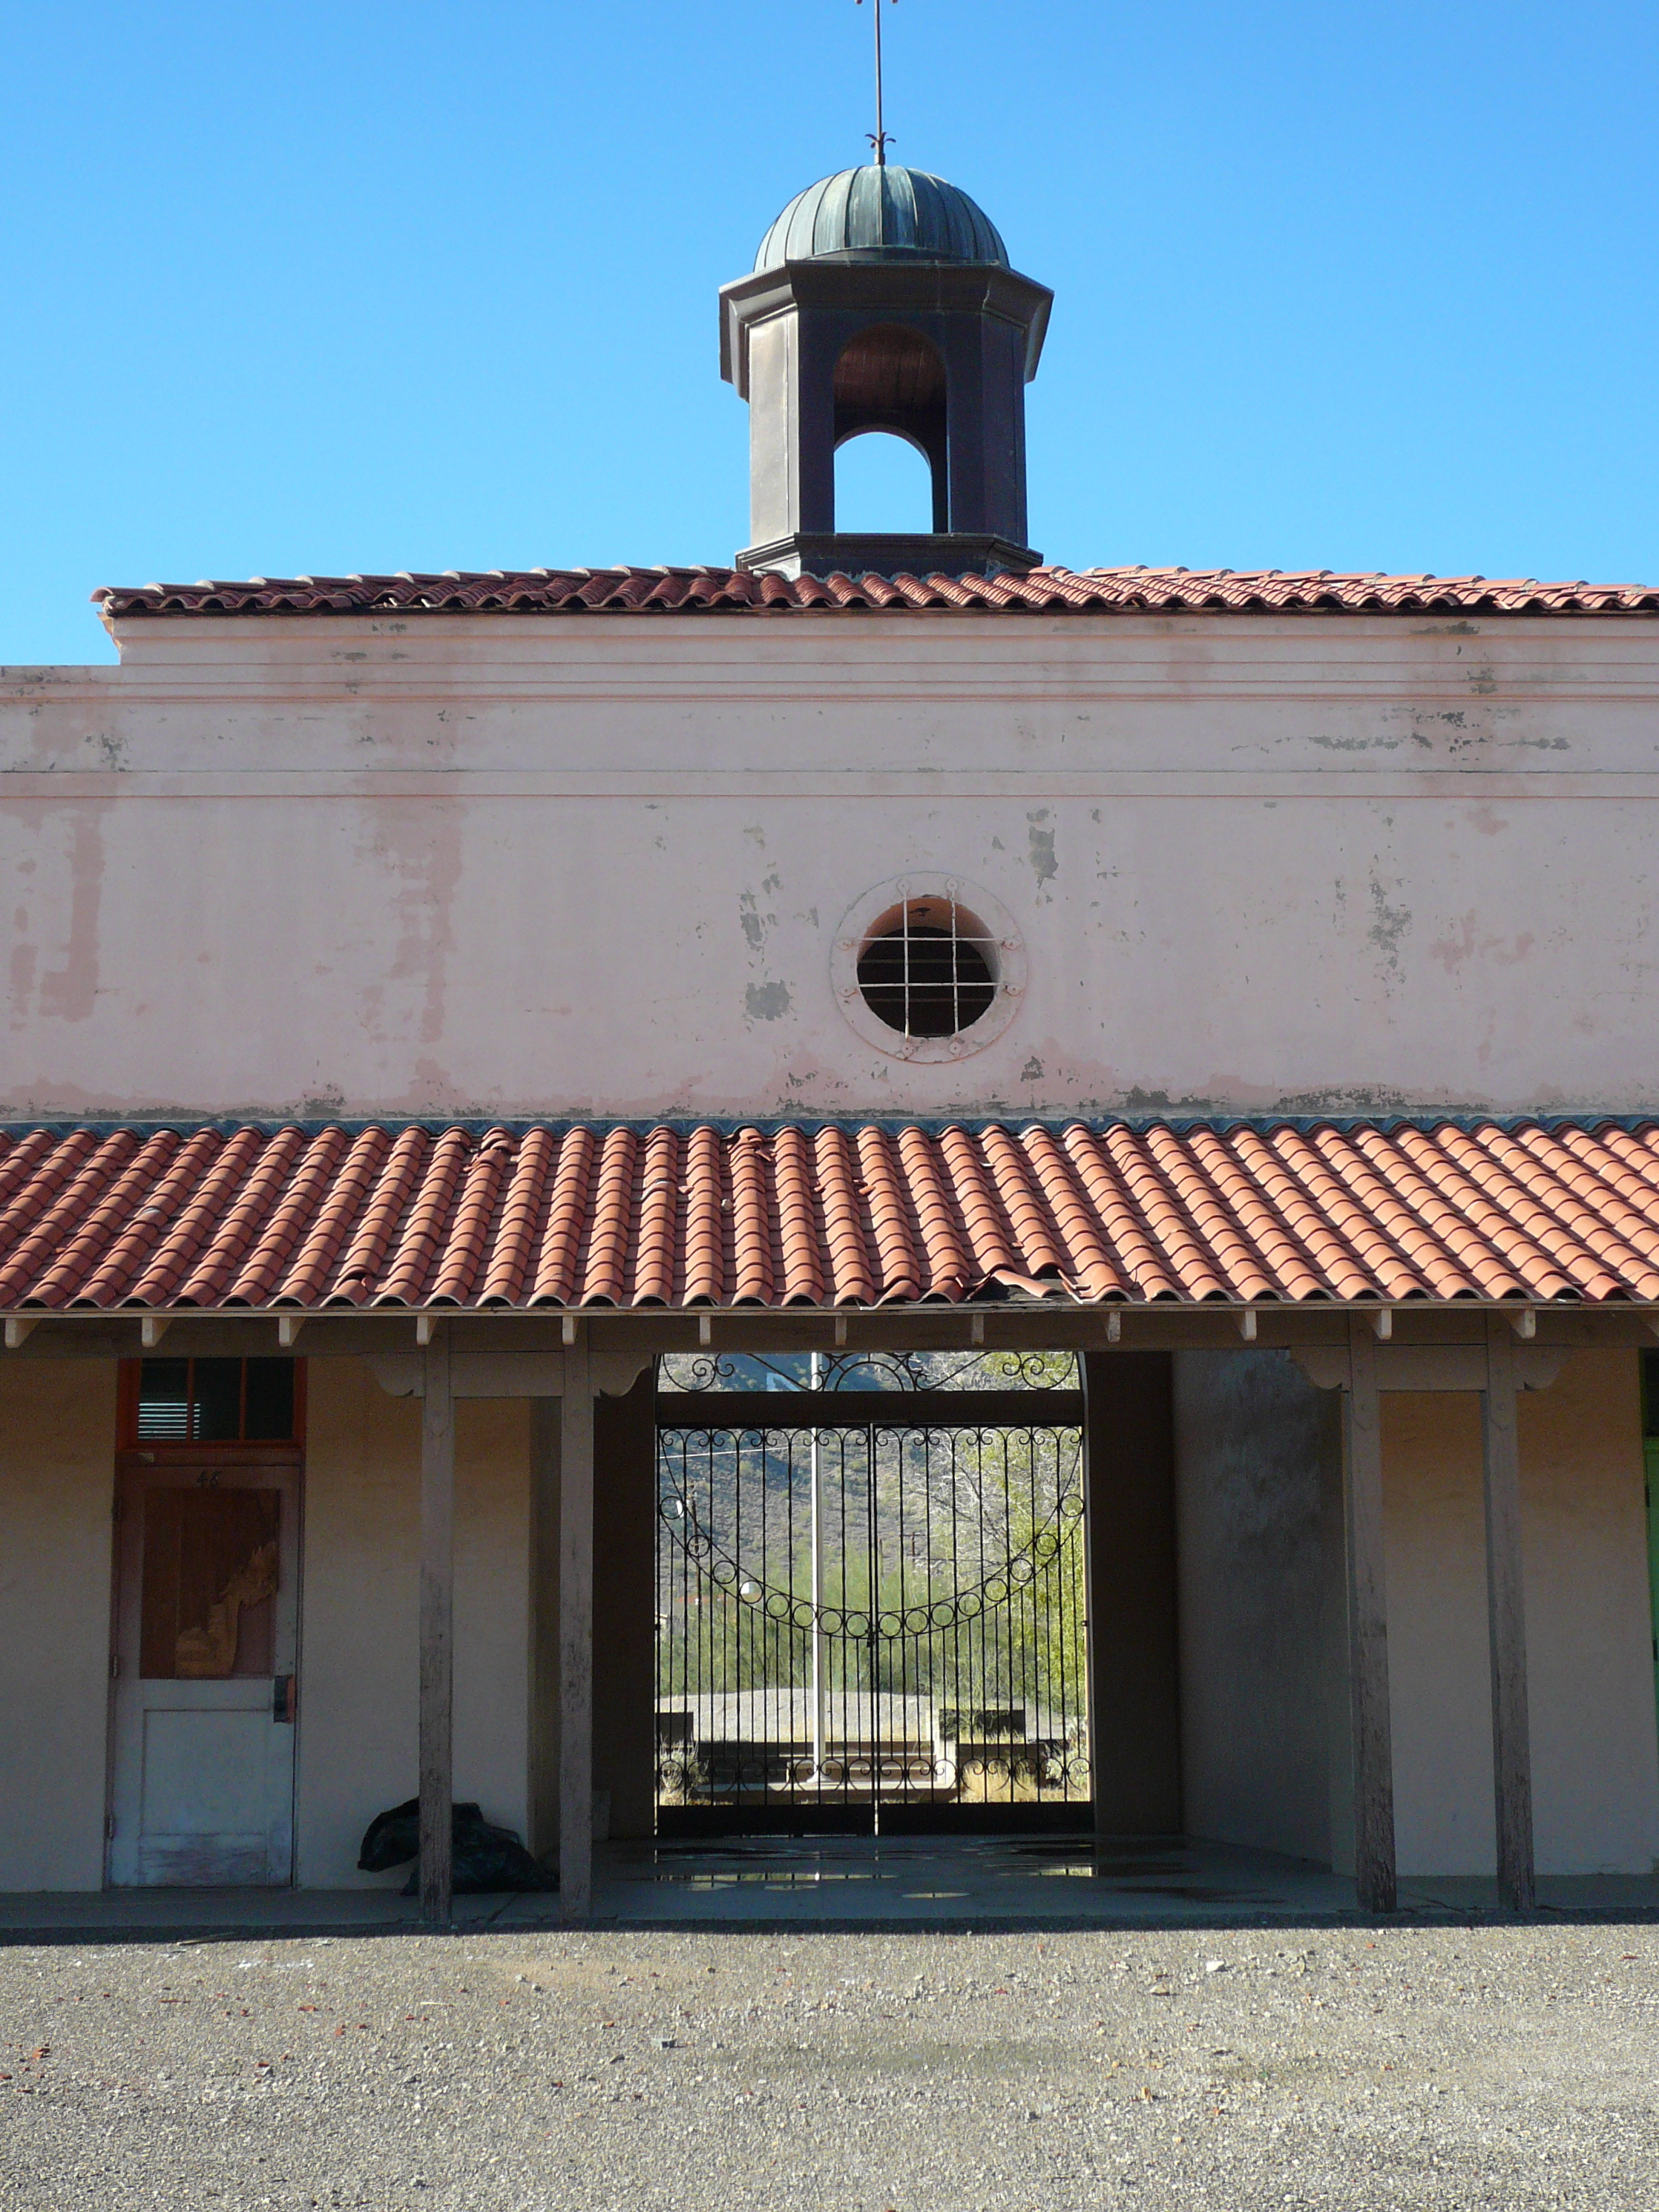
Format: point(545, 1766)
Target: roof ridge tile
point(1133, 589)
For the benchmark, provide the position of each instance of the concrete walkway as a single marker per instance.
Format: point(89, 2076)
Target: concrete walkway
point(838, 1882)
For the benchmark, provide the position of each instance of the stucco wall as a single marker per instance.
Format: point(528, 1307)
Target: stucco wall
point(1258, 1506)
point(57, 1490)
point(359, 1657)
point(474, 838)
point(1264, 1719)
point(1595, 1752)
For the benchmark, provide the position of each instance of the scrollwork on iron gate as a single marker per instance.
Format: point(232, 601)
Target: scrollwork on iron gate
point(942, 1663)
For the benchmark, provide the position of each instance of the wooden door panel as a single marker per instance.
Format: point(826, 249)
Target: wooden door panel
point(205, 1795)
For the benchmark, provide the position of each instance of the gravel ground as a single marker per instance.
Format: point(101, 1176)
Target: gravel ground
point(1508, 2067)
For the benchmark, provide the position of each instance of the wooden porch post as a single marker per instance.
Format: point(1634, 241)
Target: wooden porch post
point(437, 1620)
point(1511, 1742)
point(576, 1633)
point(1375, 1877)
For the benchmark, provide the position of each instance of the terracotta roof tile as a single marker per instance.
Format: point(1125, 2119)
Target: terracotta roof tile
point(659, 1217)
point(1133, 590)
point(984, 1225)
point(1349, 1219)
point(1120, 1223)
point(897, 1275)
point(1027, 1216)
point(1085, 1259)
point(846, 1246)
point(553, 1275)
point(120, 1208)
point(259, 1281)
point(800, 1240)
point(865, 1214)
point(222, 1255)
point(948, 1270)
point(705, 1228)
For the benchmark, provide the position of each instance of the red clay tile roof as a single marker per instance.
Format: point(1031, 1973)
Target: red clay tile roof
point(552, 1216)
point(735, 591)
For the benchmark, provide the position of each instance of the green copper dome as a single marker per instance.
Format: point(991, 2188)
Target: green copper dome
point(903, 213)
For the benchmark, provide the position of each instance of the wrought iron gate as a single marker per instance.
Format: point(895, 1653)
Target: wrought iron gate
point(871, 1606)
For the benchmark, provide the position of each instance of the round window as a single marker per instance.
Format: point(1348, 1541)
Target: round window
point(929, 970)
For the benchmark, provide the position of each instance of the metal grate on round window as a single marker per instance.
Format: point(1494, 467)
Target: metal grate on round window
point(928, 970)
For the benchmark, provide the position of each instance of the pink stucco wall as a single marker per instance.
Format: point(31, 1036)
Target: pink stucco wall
point(597, 863)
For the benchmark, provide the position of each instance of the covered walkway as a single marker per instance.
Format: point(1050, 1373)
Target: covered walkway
point(829, 1883)
point(1213, 1282)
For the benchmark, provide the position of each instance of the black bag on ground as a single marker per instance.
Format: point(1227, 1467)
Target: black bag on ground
point(486, 1857)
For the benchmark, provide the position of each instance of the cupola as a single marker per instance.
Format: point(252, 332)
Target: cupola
point(883, 299)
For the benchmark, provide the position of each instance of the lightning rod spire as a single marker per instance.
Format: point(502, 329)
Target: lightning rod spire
point(879, 137)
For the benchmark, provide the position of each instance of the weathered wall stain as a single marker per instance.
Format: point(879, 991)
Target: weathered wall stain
point(749, 917)
point(415, 849)
point(1041, 837)
point(69, 991)
point(1389, 926)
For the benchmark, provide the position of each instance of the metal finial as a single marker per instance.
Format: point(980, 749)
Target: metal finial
point(879, 137)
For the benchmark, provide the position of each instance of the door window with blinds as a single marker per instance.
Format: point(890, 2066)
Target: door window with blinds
point(212, 1401)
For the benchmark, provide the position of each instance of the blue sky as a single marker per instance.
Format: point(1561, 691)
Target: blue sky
point(315, 289)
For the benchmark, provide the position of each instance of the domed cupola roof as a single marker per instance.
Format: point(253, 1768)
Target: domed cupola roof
point(886, 212)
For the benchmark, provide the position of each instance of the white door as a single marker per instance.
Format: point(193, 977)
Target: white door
point(207, 1617)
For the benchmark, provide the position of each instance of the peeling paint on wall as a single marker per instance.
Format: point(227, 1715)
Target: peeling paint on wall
point(69, 991)
point(1389, 926)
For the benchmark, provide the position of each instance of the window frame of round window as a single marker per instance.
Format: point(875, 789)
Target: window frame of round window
point(877, 911)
